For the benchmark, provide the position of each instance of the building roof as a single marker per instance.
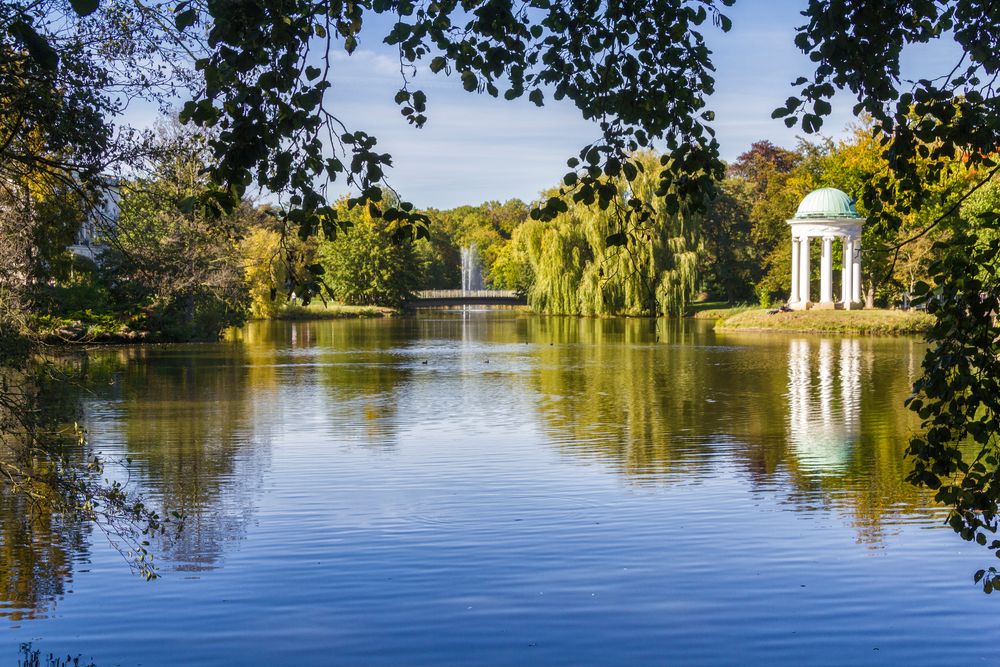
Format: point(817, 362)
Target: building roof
point(826, 203)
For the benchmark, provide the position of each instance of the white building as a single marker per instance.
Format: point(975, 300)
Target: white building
point(829, 215)
point(99, 223)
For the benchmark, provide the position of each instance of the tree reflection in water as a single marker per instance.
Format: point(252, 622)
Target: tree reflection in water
point(38, 550)
point(197, 424)
point(814, 421)
point(197, 427)
point(39, 448)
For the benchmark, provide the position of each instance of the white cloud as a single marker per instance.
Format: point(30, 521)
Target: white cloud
point(364, 63)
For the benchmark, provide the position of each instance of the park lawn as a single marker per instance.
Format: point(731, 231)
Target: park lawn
point(717, 311)
point(332, 311)
point(872, 322)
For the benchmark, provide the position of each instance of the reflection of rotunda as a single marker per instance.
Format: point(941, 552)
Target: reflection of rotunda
point(824, 396)
point(828, 214)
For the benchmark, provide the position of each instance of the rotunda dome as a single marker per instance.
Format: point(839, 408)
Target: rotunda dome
point(826, 203)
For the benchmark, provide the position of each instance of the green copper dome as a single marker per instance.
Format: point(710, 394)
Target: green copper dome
point(826, 203)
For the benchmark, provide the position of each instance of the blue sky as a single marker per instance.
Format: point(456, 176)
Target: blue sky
point(475, 148)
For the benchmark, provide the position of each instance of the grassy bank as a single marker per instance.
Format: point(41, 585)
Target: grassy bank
point(870, 322)
point(718, 311)
point(332, 311)
point(89, 327)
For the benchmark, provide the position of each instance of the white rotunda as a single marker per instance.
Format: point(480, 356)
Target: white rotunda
point(827, 214)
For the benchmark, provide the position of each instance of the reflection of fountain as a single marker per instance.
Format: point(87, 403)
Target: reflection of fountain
point(472, 274)
point(822, 439)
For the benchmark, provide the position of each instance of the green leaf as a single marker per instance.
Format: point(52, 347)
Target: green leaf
point(616, 239)
point(630, 171)
point(83, 7)
point(402, 233)
point(38, 47)
point(469, 81)
point(187, 204)
point(185, 19)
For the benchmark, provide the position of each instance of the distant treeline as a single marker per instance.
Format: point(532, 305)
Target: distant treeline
point(172, 270)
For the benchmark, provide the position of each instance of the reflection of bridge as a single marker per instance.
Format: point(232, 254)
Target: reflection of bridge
point(456, 297)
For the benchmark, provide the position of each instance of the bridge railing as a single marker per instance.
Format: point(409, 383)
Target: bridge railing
point(466, 294)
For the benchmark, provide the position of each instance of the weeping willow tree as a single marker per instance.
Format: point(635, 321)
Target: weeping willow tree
point(558, 252)
point(582, 266)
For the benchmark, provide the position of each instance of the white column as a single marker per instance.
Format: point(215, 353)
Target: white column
point(826, 272)
point(794, 297)
point(804, 269)
point(845, 275)
point(856, 272)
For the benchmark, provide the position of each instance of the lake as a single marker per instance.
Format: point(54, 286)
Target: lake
point(500, 488)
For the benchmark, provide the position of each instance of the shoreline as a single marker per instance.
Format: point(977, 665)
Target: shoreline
point(74, 333)
point(747, 319)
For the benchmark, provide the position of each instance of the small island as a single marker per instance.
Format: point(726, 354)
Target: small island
point(866, 322)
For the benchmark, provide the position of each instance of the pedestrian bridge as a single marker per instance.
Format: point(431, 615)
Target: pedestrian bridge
point(455, 297)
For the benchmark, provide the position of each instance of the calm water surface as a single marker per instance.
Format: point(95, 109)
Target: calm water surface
point(500, 488)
